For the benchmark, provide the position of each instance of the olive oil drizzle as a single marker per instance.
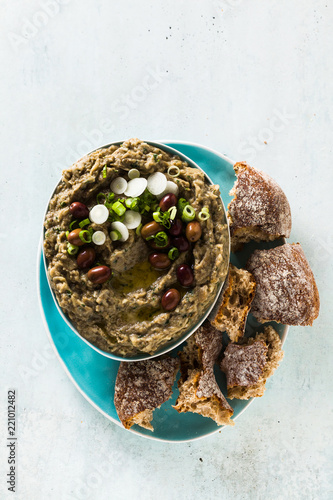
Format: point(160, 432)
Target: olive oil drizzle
point(142, 275)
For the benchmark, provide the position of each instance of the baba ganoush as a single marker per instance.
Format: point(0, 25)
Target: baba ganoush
point(136, 244)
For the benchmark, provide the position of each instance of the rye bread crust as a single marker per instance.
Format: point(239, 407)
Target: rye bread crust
point(249, 364)
point(286, 289)
point(259, 211)
point(141, 387)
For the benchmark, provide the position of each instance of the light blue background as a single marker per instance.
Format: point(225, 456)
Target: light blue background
point(228, 74)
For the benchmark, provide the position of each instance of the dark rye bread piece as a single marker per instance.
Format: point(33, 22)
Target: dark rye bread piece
point(259, 211)
point(141, 387)
point(250, 363)
point(198, 389)
point(236, 301)
point(286, 289)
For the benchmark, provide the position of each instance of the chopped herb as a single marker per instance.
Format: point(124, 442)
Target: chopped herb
point(63, 204)
point(69, 293)
point(156, 158)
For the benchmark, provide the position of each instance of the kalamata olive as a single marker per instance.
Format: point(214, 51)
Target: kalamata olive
point(159, 260)
point(181, 243)
point(193, 231)
point(86, 258)
point(154, 245)
point(170, 299)
point(79, 210)
point(176, 227)
point(185, 275)
point(74, 237)
point(168, 201)
point(99, 274)
point(150, 229)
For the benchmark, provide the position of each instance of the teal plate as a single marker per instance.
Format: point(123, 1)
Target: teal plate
point(94, 375)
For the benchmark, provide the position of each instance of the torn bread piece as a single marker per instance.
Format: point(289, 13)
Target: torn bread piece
point(249, 364)
point(198, 389)
point(236, 301)
point(259, 210)
point(141, 387)
point(286, 289)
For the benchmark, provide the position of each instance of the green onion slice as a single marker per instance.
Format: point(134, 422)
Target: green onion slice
point(115, 235)
point(72, 224)
point(85, 236)
point(182, 203)
point(173, 212)
point(72, 249)
point(188, 213)
point(173, 171)
point(135, 204)
point(104, 172)
point(158, 217)
point(161, 239)
point(204, 214)
point(67, 233)
point(173, 253)
point(118, 208)
point(84, 222)
point(101, 198)
point(138, 230)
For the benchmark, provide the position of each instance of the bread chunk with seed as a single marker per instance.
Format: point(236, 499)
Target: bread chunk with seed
point(250, 363)
point(259, 210)
point(286, 289)
point(141, 387)
point(198, 389)
point(238, 294)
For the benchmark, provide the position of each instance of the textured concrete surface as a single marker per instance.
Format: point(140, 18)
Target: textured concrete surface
point(249, 78)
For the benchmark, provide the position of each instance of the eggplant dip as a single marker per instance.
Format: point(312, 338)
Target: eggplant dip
point(136, 244)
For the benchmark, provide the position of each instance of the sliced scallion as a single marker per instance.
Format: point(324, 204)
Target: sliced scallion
point(128, 202)
point(67, 233)
point(85, 236)
point(133, 173)
point(188, 213)
point(84, 222)
point(173, 253)
point(72, 249)
point(72, 224)
point(115, 235)
point(182, 203)
point(101, 198)
point(104, 172)
point(173, 212)
point(138, 230)
point(204, 214)
point(173, 171)
point(158, 217)
point(118, 208)
point(161, 239)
